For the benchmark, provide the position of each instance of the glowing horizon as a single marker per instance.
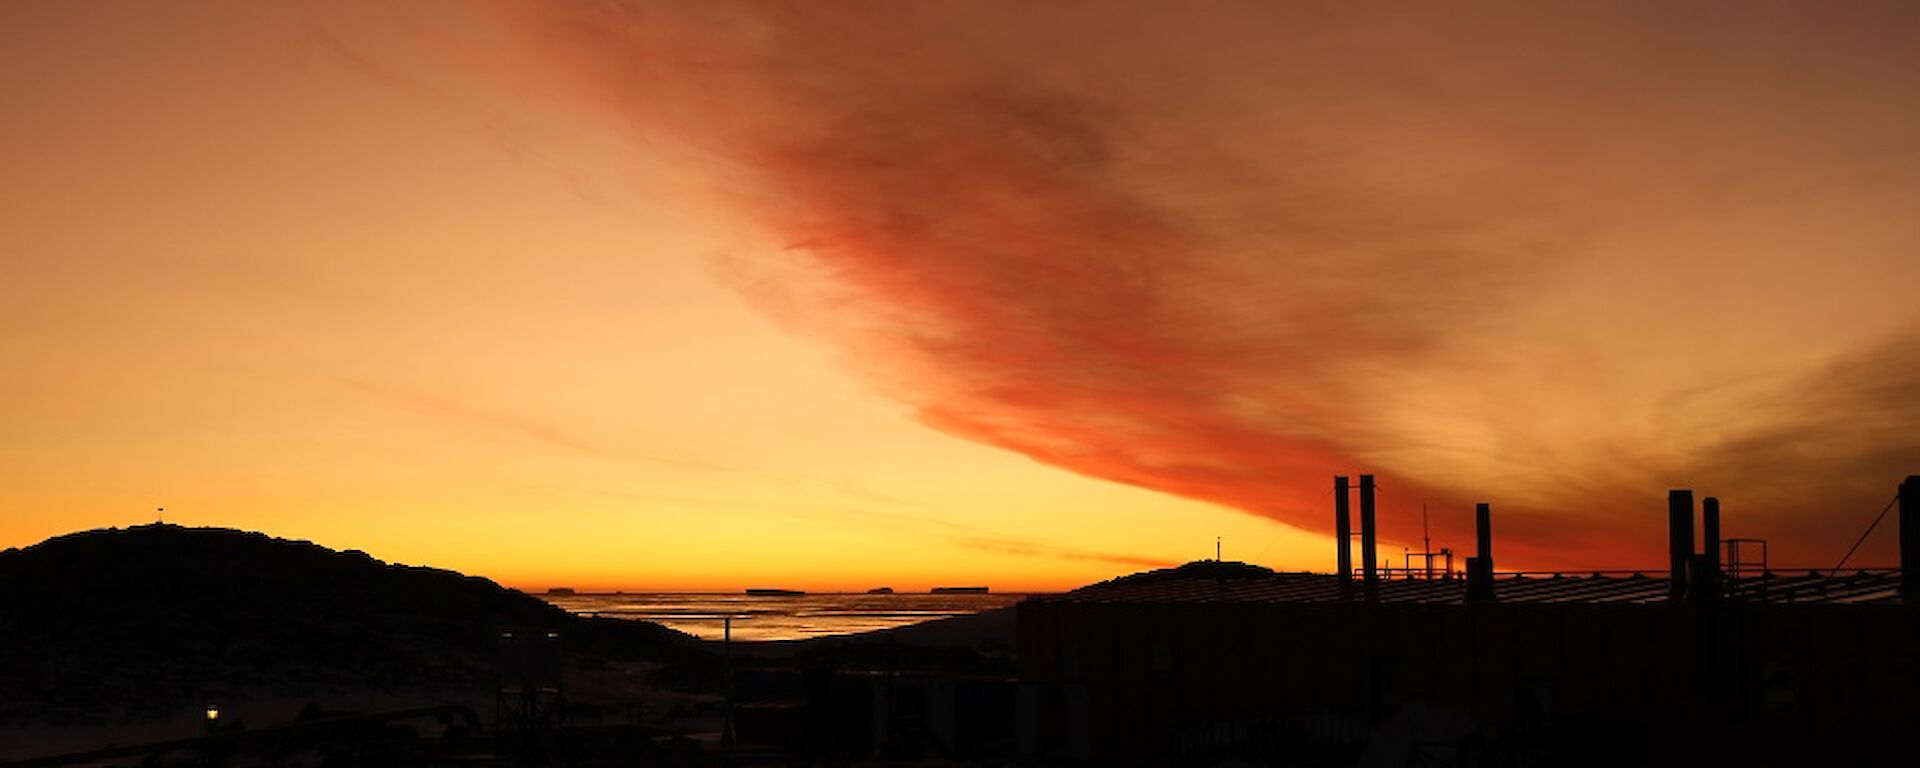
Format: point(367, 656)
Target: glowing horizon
point(845, 295)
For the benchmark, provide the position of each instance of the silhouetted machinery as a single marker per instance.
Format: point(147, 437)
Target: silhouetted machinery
point(1716, 661)
point(532, 696)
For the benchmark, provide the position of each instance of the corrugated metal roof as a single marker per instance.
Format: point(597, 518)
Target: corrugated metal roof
point(1173, 586)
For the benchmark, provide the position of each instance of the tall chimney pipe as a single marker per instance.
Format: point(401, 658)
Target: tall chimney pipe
point(1710, 541)
point(1343, 534)
point(1480, 566)
point(1483, 531)
point(1679, 540)
point(1910, 540)
point(1369, 575)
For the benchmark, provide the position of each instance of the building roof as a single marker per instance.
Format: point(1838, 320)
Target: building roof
point(1238, 583)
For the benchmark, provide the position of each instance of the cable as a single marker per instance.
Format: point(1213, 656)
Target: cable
point(1863, 537)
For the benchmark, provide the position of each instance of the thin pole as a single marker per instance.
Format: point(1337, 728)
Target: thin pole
point(1426, 540)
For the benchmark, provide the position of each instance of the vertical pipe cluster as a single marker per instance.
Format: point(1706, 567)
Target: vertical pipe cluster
point(1369, 575)
point(1679, 540)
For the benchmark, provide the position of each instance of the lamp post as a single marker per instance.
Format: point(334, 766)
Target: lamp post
point(213, 717)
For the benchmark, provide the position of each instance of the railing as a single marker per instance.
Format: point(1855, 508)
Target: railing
point(1416, 573)
point(1741, 571)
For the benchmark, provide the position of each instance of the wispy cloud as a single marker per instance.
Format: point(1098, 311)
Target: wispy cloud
point(954, 533)
point(495, 420)
point(1559, 257)
point(530, 429)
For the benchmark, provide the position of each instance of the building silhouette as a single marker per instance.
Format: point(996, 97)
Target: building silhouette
point(1698, 666)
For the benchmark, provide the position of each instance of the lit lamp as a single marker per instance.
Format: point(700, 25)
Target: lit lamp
point(213, 717)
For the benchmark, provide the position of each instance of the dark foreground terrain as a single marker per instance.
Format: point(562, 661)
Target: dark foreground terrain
point(317, 657)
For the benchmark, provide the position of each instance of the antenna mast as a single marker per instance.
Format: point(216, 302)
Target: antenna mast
point(1426, 538)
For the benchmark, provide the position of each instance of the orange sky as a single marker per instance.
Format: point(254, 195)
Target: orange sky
point(838, 295)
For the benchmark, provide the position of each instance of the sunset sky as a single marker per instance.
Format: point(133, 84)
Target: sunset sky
point(833, 295)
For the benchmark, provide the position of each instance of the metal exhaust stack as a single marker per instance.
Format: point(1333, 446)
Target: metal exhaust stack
point(1369, 575)
point(1710, 531)
point(1679, 541)
point(1708, 579)
point(1480, 566)
point(1343, 535)
point(1910, 540)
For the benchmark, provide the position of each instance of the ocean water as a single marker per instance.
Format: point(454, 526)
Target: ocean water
point(758, 617)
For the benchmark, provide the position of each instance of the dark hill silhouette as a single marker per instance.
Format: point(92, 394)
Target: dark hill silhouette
point(155, 617)
point(1198, 569)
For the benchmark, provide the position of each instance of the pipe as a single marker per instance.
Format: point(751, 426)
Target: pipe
point(1343, 534)
point(1679, 541)
point(1483, 531)
point(1480, 566)
point(1709, 536)
point(1370, 575)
